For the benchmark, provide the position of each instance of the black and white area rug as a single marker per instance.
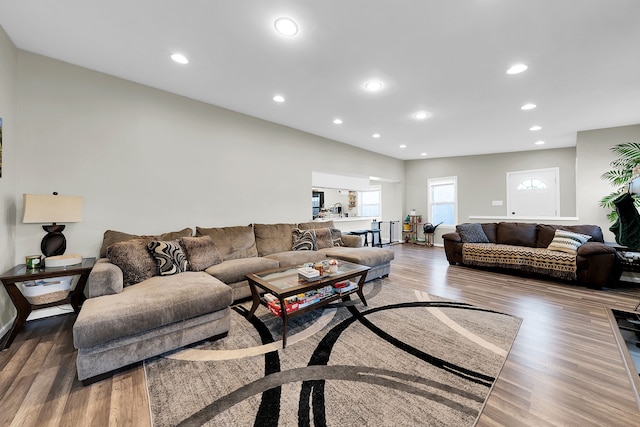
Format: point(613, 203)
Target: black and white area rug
point(408, 358)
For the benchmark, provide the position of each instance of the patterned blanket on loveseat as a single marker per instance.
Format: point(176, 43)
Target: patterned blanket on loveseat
point(536, 260)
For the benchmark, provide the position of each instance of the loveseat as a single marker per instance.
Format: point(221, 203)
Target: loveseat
point(573, 252)
point(147, 295)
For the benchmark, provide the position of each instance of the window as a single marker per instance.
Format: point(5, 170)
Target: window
point(531, 184)
point(370, 203)
point(443, 200)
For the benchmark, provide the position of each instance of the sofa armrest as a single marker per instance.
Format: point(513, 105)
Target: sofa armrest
point(453, 237)
point(353, 241)
point(105, 279)
point(595, 248)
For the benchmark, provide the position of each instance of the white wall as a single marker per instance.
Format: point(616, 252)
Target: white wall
point(8, 76)
point(147, 161)
point(593, 149)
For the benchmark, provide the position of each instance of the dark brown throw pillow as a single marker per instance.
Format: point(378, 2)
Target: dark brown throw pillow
point(201, 252)
point(134, 259)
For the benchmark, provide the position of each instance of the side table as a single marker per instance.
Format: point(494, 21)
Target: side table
point(20, 274)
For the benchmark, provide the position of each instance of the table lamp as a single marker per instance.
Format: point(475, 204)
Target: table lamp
point(44, 208)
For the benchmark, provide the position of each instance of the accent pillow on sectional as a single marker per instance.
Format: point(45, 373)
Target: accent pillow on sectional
point(134, 259)
point(169, 257)
point(324, 238)
point(303, 240)
point(567, 241)
point(110, 237)
point(336, 236)
point(201, 252)
point(472, 233)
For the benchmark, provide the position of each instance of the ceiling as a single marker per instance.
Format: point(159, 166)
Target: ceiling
point(448, 58)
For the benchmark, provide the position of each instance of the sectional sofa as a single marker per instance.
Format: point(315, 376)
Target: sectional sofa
point(575, 253)
point(151, 294)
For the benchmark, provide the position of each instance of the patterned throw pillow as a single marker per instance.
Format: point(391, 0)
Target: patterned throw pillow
point(336, 236)
point(169, 256)
point(201, 252)
point(303, 240)
point(567, 241)
point(134, 259)
point(472, 233)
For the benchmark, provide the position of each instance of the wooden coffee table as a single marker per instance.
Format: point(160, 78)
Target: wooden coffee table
point(284, 282)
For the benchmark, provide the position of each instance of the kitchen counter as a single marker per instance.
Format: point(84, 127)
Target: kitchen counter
point(350, 223)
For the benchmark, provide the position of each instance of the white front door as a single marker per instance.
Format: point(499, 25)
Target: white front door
point(533, 193)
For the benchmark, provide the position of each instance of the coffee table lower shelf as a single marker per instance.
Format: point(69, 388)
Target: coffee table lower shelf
point(271, 281)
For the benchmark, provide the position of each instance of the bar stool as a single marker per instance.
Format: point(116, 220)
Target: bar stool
point(364, 233)
point(375, 235)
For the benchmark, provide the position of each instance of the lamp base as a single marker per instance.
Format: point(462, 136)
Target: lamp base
point(62, 260)
point(54, 242)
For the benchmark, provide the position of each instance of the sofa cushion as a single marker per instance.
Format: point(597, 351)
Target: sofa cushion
point(235, 270)
point(232, 242)
point(364, 256)
point(546, 233)
point(472, 233)
point(516, 234)
point(303, 240)
point(296, 258)
point(201, 252)
point(567, 241)
point(324, 238)
point(134, 259)
point(273, 238)
point(156, 302)
point(169, 256)
point(110, 237)
point(490, 230)
point(312, 225)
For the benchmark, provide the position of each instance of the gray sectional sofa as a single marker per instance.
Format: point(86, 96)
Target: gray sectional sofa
point(132, 313)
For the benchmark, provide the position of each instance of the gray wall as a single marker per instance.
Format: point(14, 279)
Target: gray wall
point(482, 179)
point(147, 161)
point(8, 104)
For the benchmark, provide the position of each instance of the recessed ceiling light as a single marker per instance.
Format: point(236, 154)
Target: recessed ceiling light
point(402, 146)
point(528, 107)
point(373, 85)
point(376, 135)
point(337, 121)
point(517, 69)
point(179, 58)
point(539, 142)
point(278, 98)
point(421, 115)
point(536, 127)
point(423, 154)
point(286, 26)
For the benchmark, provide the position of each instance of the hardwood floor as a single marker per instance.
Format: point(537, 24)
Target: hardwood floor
point(564, 368)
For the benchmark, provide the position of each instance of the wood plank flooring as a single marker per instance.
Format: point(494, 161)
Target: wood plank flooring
point(564, 369)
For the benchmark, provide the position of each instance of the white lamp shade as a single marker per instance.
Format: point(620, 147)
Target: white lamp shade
point(45, 208)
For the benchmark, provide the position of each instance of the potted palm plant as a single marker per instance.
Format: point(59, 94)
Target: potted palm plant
point(624, 169)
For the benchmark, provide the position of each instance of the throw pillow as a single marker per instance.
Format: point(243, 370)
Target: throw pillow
point(134, 259)
point(169, 256)
point(303, 240)
point(472, 233)
point(567, 241)
point(336, 237)
point(324, 238)
point(201, 252)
